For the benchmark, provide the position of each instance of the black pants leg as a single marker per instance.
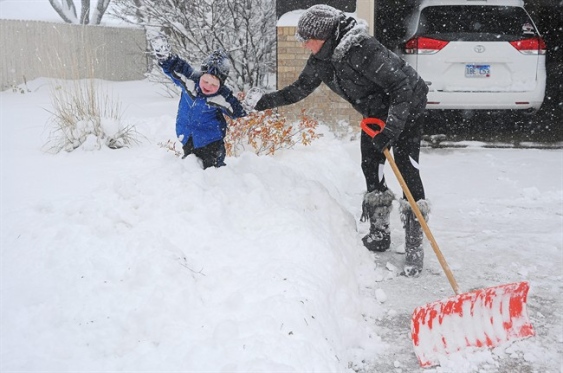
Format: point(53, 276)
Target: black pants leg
point(212, 154)
point(188, 148)
point(372, 165)
point(406, 151)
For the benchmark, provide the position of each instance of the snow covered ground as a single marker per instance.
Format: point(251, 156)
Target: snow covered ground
point(136, 260)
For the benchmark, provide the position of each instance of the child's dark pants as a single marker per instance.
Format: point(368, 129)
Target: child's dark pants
point(211, 155)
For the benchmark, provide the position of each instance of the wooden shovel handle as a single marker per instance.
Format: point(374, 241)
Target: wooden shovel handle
point(422, 222)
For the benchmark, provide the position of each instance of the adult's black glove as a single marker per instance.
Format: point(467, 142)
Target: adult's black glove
point(382, 140)
point(262, 104)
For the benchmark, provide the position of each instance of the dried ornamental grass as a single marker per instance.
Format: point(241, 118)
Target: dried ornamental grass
point(85, 115)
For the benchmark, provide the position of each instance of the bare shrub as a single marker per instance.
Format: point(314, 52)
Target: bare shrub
point(263, 132)
point(170, 146)
point(266, 132)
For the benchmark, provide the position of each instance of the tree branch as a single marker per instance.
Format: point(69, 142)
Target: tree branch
point(65, 10)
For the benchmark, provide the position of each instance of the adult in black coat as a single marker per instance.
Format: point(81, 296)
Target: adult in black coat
point(378, 84)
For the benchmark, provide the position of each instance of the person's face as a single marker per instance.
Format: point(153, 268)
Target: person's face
point(209, 84)
point(313, 45)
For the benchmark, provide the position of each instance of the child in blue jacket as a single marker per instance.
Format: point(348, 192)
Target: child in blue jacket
point(200, 124)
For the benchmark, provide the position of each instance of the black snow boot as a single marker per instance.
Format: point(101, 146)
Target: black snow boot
point(377, 208)
point(414, 251)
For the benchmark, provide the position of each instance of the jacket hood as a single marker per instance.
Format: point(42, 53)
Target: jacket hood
point(348, 33)
point(351, 33)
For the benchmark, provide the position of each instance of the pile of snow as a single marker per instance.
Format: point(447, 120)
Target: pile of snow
point(134, 259)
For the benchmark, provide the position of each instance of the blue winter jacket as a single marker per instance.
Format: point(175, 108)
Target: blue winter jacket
point(200, 117)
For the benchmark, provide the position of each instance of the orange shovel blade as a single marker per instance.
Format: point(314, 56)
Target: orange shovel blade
point(481, 318)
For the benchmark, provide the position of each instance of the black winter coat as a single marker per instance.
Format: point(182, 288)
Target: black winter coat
point(358, 68)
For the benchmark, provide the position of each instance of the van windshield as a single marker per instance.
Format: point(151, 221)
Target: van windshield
point(475, 23)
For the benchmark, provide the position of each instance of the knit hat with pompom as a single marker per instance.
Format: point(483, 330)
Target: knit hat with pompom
point(218, 64)
point(318, 22)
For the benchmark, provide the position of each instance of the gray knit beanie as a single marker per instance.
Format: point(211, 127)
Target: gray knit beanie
point(317, 22)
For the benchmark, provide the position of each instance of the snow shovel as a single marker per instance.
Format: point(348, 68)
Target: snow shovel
point(480, 318)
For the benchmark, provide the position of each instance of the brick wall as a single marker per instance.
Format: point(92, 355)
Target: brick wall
point(323, 104)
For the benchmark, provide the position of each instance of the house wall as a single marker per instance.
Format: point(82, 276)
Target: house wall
point(33, 49)
point(322, 105)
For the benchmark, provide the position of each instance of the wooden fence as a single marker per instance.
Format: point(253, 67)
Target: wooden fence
point(33, 49)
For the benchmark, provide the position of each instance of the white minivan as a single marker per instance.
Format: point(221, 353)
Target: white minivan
point(477, 54)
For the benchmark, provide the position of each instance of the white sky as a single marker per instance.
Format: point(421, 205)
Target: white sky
point(40, 10)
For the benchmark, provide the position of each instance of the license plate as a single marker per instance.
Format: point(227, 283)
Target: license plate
point(477, 71)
